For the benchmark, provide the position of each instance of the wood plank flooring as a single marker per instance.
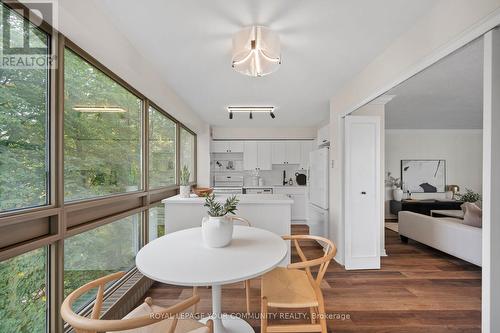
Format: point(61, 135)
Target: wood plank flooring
point(418, 290)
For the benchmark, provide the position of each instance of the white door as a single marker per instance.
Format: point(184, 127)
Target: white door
point(250, 155)
point(278, 152)
point(264, 156)
point(292, 152)
point(362, 192)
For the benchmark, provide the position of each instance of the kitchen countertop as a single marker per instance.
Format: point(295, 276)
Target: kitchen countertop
point(269, 199)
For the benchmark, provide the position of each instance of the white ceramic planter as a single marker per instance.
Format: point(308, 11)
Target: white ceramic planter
point(397, 194)
point(216, 231)
point(185, 191)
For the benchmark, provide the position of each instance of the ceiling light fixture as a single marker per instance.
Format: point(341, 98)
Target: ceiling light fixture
point(256, 51)
point(92, 109)
point(251, 110)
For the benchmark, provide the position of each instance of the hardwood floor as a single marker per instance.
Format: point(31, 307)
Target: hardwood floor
point(417, 290)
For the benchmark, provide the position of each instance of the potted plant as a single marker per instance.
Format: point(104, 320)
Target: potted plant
point(469, 196)
point(395, 184)
point(217, 228)
point(185, 188)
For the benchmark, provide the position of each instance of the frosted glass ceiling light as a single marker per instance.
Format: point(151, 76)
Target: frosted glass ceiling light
point(256, 51)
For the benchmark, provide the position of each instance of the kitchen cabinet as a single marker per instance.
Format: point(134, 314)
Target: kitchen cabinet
point(264, 156)
point(292, 149)
point(257, 155)
point(305, 148)
point(227, 146)
point(298, 195)
point(286, 152)
point(324, 135)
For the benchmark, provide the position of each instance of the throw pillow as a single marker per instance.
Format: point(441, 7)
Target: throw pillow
point(473, 215)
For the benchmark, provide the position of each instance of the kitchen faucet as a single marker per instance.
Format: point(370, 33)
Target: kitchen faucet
point(284, 178)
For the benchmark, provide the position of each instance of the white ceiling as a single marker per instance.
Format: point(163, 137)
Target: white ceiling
point(447, 95)
point(324, 44)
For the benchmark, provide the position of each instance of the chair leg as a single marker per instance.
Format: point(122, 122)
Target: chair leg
point(247, 292)
point(312, 311)
point(322, 317)
point(210, 325)
point(195, 307)
point(263, 315)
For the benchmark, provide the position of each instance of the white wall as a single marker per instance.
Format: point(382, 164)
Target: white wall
point(85, 24)
point(271, 133)
point(447, 26)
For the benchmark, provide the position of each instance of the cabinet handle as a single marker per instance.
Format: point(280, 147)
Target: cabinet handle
point(363, 192)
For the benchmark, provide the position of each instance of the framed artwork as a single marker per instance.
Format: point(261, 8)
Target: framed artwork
point(425, 176)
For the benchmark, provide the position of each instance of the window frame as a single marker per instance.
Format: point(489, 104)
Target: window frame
point(54, 216)
point(195, 152)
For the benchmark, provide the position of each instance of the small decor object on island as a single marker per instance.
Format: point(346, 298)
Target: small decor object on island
point(203, 191)
point(217, 228)
point(395, 184)
point(185, 189)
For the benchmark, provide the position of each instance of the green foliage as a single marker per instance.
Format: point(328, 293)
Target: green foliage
point(217, 209)
point(469, 196)
point(23, 290)
point(185, 174)
point(162, 158)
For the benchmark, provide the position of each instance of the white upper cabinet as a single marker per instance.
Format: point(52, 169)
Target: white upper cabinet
point(250, 155)
point(292, 152)
point(264, 156)
point(236, 146)
point(286, 152)
point(278, 149)
point(257, 155)
point(227, 146)
point(305, 148)
point(324, 135)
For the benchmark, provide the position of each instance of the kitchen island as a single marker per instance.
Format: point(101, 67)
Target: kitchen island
point(267, 211)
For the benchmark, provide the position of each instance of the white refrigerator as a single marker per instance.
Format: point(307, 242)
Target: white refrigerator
point(317, 219)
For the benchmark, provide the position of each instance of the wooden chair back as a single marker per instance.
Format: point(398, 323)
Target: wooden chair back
point(329, 252)
point(93, 324)
point(240, 220)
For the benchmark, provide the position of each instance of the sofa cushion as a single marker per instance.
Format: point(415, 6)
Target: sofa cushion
point(473, 215)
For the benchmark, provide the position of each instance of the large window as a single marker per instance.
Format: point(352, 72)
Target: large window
point(162, 158)
point(23, 290)
point(23, 120)
point(102, 133)
point(187, 152)
point(99, 252)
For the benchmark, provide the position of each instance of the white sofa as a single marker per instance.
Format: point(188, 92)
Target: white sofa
point(449, 235)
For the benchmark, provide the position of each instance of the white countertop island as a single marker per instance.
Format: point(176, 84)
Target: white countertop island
point(267, 211)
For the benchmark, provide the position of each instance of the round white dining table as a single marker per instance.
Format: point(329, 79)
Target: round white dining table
point(181, 258)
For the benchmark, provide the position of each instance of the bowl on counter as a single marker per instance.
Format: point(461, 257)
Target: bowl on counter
point(202, 191)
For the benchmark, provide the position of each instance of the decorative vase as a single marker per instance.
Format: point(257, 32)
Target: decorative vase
point(397, 194)
point(216, 231)
point(185, 191)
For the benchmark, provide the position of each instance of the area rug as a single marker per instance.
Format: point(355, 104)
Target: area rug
point(392, 226)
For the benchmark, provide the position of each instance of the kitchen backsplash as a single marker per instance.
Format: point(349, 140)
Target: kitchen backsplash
point(275, 176)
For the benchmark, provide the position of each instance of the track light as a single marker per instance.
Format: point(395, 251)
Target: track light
point(251, 116)
point(250, 110)
point(272, 115)
point(230, 114)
